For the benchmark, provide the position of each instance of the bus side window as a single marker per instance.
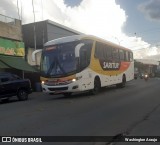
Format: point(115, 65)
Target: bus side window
point(109, 53)
point(97, 54)
point(85, 54)
point(130, 56)
point(126, 56)
point(83, 58)
point(104, 51)
point(122, 54)
point(115, 54)
point(99, 51)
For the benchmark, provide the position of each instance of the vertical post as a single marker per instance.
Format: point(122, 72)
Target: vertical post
point(42, 8)
point(34, 28)
point(43, 22)
point(18, 9)
point(21, 10)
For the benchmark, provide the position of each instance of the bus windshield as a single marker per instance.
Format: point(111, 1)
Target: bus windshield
point(60, 60)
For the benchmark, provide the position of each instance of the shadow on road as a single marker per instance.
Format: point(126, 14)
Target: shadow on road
point(40, 96)
point(83, 94)
point(7, 101)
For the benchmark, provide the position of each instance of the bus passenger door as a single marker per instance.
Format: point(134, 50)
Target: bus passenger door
point(84, 63)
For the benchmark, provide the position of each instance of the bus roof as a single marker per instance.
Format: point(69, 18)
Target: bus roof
point(64, 39)
point(80, 37)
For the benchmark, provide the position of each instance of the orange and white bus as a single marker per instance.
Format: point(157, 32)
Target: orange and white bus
point(84, 63)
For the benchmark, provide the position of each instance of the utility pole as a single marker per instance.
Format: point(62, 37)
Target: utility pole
point(34, 28)
point(34, 31)
point(18, 10)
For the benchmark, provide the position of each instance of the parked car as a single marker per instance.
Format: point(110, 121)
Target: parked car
point(13, 85)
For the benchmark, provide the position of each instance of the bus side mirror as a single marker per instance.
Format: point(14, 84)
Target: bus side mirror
point(77, 49)
point(34, 54)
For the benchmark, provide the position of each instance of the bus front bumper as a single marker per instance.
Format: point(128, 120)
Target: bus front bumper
point(60, 89)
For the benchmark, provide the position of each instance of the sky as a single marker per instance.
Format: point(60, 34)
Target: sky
point(134, 24)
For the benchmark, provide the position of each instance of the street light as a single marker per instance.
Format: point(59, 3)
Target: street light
point(119, 41)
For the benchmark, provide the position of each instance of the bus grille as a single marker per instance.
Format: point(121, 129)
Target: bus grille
point(58, 89)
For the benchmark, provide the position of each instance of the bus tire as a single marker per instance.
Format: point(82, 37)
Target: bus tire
point(123, 84)
point(97, 86)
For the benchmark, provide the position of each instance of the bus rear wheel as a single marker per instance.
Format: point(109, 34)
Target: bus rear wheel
point(97, 86)
point(123, 84)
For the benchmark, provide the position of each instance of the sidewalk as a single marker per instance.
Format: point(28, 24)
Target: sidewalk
point(149, 126)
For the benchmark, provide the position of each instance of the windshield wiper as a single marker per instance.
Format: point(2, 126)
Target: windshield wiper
point(55, 64)
point(51, 67)
point(61, 68)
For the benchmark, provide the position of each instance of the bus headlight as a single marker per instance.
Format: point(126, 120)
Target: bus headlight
point(76, 79)
point(42, 82)
point(73, 80)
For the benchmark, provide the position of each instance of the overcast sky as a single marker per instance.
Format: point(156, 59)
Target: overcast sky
point(132, 23)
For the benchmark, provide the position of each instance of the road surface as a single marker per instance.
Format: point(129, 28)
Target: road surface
point(110, 113)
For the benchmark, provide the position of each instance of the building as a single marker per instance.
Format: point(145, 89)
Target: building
point(12, 49)
point(36, 34)
point(146, 65)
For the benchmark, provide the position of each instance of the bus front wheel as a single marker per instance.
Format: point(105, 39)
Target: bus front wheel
point(97, 86)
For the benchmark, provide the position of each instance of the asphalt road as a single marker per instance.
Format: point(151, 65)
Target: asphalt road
point(112, 112)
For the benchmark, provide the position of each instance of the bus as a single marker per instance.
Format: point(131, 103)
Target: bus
point(84, 63)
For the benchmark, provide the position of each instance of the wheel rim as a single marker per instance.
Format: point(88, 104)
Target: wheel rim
point(22, 95)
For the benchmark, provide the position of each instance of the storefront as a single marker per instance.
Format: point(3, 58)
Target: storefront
point(12, 57)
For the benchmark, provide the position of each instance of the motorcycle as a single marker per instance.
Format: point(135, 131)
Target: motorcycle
point(146, 77)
